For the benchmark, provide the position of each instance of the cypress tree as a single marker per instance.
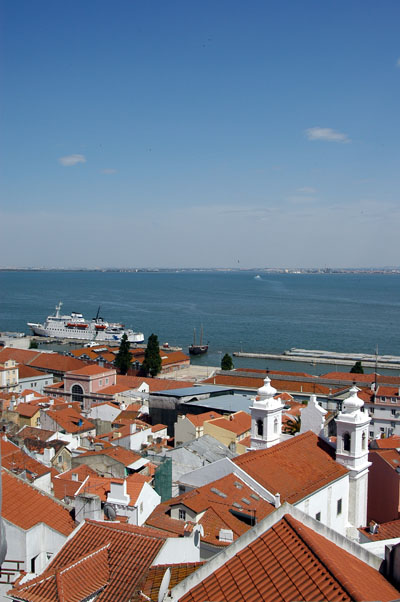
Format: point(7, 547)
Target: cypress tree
point(152, 358)
point(226, 362)
point(123, 359)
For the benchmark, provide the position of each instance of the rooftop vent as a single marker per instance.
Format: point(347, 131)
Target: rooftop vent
point(254, 496)
point(237, 505)
point(246, 501)
point(238, 485)
point(225, 535)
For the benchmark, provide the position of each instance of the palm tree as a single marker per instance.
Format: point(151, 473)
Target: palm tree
point(292, 425)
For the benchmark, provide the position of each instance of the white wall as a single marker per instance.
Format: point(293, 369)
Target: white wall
point(325, 501)
point(39, 541)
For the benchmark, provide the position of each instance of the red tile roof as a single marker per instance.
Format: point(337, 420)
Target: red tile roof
point(155, 384)
point(65, 486)
point(17, 461)
point(130, 553)
point(199, 419)
point(218, 501)
point(27, 410)
point(55, 362)
point(292, 562)
point(387, 443)
point(389, 530)
point(295, 468)
point(390, 456)
point(151, 585)
point(26, 506)
point(247, 382)
point(92, 370)
point(28, 372)
point(120, 454)
point(69, 420)
point(238, 423)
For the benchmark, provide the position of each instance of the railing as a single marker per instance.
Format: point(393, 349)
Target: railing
point(8, 575)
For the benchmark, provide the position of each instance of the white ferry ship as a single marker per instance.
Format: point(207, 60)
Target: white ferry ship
point(74, 326)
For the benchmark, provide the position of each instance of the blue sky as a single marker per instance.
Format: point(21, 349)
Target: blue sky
point(213, 133)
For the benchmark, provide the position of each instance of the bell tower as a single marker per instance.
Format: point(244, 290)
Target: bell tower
point(266, 417)
point(352, 452)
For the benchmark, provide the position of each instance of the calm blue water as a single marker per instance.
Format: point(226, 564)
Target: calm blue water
point(339, 312)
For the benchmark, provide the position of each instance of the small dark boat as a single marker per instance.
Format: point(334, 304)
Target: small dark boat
point(198, 349)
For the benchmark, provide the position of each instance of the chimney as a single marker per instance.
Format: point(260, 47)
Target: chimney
point(277, 500)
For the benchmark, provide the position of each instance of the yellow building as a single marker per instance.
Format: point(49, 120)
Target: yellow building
point(229, 430)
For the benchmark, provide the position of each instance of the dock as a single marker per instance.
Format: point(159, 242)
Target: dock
point(317, 356)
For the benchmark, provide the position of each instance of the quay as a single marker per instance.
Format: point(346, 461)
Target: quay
point(387, 362)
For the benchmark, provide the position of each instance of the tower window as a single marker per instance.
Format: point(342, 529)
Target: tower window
point(339, 507)
point(346, 441)
point(318, 516)
point(275, 425)
point(260, 427)
point(364, 440)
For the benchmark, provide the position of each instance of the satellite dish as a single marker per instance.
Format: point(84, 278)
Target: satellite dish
point(164, 585)
point(109, 511)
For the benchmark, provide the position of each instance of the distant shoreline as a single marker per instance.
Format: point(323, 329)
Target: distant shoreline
point(264, 271)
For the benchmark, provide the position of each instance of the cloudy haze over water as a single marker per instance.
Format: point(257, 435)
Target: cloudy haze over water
point(200, 134)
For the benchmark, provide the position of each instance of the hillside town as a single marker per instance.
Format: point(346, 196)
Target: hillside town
point(169, 482)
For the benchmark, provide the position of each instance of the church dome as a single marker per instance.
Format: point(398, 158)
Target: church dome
point(267, 390)
point(352, 403)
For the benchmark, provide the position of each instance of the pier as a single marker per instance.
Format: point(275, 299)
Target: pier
point(317, 356)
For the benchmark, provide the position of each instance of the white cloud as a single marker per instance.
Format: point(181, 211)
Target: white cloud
point(307, 190)
point(327, 134)
point(70, 160)
point(108, 171)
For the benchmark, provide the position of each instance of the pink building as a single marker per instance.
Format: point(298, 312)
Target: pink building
point(84, 384)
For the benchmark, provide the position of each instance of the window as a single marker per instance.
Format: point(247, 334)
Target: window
point(141, 507)
point(346, 441)
point(275, 425)
point(77, 393)
point(100, 383)
point(393, 412)
point(106, 381)
point(364, 440)
point(339, 507)
point(182, 514)
point(371, 410)
point(371, 433)
point(260, 427)
point(393, 400)
point(318, 516)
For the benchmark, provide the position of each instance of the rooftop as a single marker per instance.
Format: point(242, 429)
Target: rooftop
point(296, 467)
point(111, 557)
point(26, 506)
point(289, 561)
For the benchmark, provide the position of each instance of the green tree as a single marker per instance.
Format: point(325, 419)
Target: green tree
point(152, 358)
point(226, 362)
point(123, 358)
point(357, 368)
point(33, 344)
point(292, 425)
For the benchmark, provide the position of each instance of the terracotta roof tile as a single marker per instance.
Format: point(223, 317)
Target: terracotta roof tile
point(56, 362)
point(17, 461)
point(218, 501)
point(27, 372)
point(389, 530)
point(390, 456)
point(295, 468)
point(92, 370)
point(26, 506)
point(387, 443)
point(152, 582)
point(155, 384)
point(130, 553)
point(238, 423)
point(291, 562)
point(27, 410)
point(70, 420)
point(199, 419)
point(125, 456)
